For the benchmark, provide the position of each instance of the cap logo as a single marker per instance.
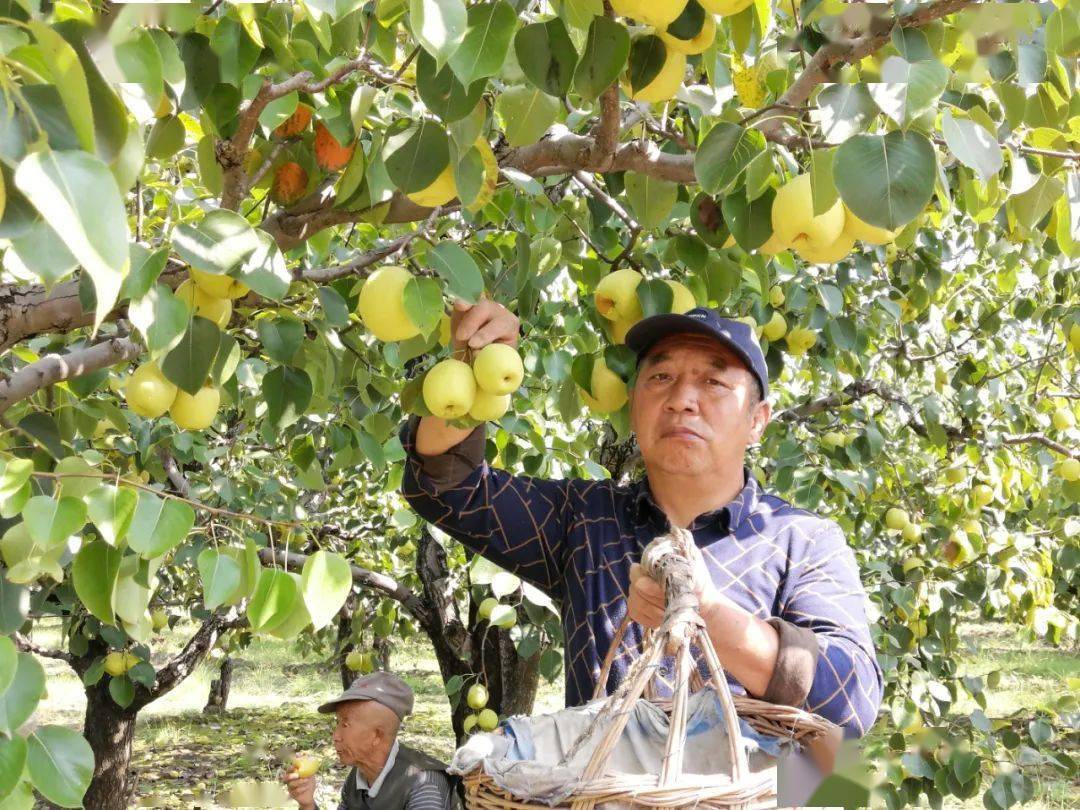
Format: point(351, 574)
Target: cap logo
point(700, 315)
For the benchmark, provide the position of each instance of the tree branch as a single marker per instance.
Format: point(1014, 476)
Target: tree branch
point(185, 661)
point(23, 644)
point(1038, 438)
point(54, 368)
point(834, 53)
point(361, 576)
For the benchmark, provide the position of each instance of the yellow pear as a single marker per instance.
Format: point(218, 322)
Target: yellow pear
point(772, 246)
point(1063, 418)
point(195, 412)
point(489, 407)
point(444, 330)
point(148, 393)
point(218, 286)
point(775, 329)
point(697, 43)
point(498, 369)
point(608, 389)
point(682, 299)
point(725, 8)
point(114, 664)
point(830, 254)
point(218, 310)
point(666, 82)
point(441, 191)
point(1074, 336)
point(800, 341)
point(449, 389)
point(865, 232)
point(793, 217)
point(1069, 469)
point(776, 296)
point(487, 720)
point(616, 295)
point(657, 13)
point(305, 765)
point(896, 519)
point(618, 328)
point(382, 304)
point(130, 660)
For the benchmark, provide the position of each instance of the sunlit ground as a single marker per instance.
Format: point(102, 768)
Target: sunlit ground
point(184, 758)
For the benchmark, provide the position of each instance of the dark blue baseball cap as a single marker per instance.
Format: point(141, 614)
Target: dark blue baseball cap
point(736, 335)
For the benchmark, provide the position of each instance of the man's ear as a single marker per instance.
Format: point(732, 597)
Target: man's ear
point(760, 421)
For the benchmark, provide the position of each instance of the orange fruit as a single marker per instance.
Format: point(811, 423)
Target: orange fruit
point(295, 123)
point(290, 181)
point(329, 153)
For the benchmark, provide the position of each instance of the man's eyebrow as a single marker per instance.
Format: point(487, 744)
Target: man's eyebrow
point(717, 361)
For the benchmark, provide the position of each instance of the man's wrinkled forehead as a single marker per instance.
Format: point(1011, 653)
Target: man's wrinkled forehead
point(720, 355)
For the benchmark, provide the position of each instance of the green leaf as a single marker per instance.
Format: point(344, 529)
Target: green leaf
point(458, 269)
point(68, 77)
point(287, 392)
point(526, 113)
point(12, 762)
point(52, 521)
point(886, 180)
point(655, 296)
point(79, 196)
point(424, 303)
point(724, 155)
point(217, 243)
point(220, 575)
point(161, 318)
point(265, 270)
point(1032, 205)
point(832, 298)
point(14, 604)
point(15, 473)
point(93, 574)
point(111, 509)
point(280, 338)
point(278, 110)
point(908, 89)
point(21, 699)
point(439, 26)
point(844, 110)
point(146, 266)
point(972, 144)
point(750, 222)
point(325, 584)
point(504, 583)
point(130, 597)
point(607, 47)
point(140, 62)
point(822, 187)
point(648, 55)
point(226, 361)
point(546, 55)
point(489, 29)
point(443, 92)
point(187, 365)
point(166, 138)
point(414, 156)
point(334, 307)
point(122, 691)
point(650, 198)
point(273, 600)
point(158, 525)
point(38, 251)
point(9, 662)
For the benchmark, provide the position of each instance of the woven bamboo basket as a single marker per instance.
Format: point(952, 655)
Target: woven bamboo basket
point(667, 560)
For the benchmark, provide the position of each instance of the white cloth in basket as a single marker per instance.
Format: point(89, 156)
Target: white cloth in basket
point(524, 758)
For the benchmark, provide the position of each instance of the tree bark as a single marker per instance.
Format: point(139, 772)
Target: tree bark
point(344, 636)
point(218, 699)
point(110, 731)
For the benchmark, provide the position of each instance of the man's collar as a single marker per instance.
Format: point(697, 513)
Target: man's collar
point(730, 516)
point(373, 791)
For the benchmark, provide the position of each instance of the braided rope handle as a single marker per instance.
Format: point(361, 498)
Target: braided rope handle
point(667, 559)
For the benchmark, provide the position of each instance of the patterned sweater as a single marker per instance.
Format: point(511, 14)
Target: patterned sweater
point(576, 540)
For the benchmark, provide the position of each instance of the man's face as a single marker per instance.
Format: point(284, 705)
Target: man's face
point(357, 739)
point(691, 407)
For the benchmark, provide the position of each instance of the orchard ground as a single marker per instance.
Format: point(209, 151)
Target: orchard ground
point(183, 757)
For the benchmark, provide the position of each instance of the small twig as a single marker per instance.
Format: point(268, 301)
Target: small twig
point(213, 510)
point(585, 182)
point(370, 257)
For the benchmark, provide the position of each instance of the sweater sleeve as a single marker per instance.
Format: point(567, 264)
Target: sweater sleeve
point(518, 522)
point(822, 594)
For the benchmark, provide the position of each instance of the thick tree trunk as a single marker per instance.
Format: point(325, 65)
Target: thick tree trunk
point(344, 639)
point(110, 731)
point(218, 699)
